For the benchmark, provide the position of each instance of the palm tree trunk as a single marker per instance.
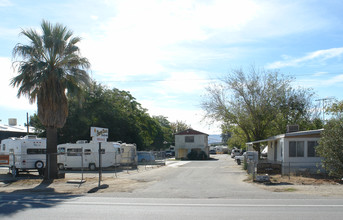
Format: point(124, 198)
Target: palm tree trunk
point(51, 171)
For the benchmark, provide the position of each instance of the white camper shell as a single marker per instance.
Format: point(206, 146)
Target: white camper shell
point(70, 155)
point(24, 154)
point(128, 154)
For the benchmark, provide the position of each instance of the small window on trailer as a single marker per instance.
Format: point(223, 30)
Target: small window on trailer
point(74, 151)
point(35, 151)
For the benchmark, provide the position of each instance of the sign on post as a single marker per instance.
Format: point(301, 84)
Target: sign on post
point(99, 134)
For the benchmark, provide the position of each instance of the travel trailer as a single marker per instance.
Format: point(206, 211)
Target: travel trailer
point(24, 154)
point(128, 154)
point(86, 155)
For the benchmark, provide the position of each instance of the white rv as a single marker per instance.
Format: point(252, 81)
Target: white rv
point(128, 154)
point(24, 154)
point(70, 155)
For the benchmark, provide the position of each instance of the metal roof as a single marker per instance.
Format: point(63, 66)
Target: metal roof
point(16, 128)
point(292, 134)
point(190, 131)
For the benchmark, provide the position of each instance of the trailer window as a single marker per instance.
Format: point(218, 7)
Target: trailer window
point(102, 151)
point(311, 149)
point(61, 150)
point(35, 151)
point(37, 144)
point(74, 152)
point(88, 151)
point(4, 147)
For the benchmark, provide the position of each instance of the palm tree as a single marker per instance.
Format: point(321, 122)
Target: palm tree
point(50, 68)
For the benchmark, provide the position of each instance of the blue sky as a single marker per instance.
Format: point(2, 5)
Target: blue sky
point(166, 52)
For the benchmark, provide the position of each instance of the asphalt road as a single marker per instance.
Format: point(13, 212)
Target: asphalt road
point(182, 190)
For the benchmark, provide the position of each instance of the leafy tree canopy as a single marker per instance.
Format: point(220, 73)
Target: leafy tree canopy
point(118, 111)
point(260, 103)
point(331, 142)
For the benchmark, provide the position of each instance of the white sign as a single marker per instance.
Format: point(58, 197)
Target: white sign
point(99, 134)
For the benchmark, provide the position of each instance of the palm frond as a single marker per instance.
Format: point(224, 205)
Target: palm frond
point(49, 67)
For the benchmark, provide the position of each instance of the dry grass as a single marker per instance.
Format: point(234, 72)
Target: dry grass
point(314, 185)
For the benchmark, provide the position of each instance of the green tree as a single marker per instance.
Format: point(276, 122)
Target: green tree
point(261, 103)
point(50, 68)
point(237, 138)
point(330, 146)
point(165, 135)
point(179, 126)
point(118, 111)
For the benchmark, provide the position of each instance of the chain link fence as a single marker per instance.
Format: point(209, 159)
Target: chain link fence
point(85, 163)
point(286, 169)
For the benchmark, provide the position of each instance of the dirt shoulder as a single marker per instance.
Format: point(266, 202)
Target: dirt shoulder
point(304, 185)
point(73, 184)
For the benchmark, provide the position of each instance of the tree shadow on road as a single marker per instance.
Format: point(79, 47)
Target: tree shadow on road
point(40, 196)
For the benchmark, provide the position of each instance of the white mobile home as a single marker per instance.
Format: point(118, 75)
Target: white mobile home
point(24, 154)
point(86, 155)
point(188, 140)
point(295, 151)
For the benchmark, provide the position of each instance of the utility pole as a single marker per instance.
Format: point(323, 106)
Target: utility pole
point(27, 123)
point(323, 109)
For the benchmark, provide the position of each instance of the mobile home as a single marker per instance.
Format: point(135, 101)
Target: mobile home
point(86, 155)
point(24, 154)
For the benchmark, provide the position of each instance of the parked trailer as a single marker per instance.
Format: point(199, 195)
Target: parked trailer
point(24, 154)
point(128, 154)
point(70, 155)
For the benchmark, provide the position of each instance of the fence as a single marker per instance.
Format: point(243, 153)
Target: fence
point(288, 169)
point(302, 168)
point(80, 162)
point(151, 158)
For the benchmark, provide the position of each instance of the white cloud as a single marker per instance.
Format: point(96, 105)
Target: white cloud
point(183, 82)
point(320, 73)
point(332, 81)
point(5, 3)
point(139, 40)
point(9, 33)
point(94, 17)
point(317, 56)
point(326, 83)
point(193, 117)
point(8, 98)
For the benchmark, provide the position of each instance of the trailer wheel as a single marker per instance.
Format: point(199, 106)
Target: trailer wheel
point(92, 166)
point(239, 162)
point(39, 164)
point(60, 166)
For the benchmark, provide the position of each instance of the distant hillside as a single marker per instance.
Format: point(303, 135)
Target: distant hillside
point(214, 138)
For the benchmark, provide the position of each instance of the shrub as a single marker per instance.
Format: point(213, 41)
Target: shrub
point(195, 155)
